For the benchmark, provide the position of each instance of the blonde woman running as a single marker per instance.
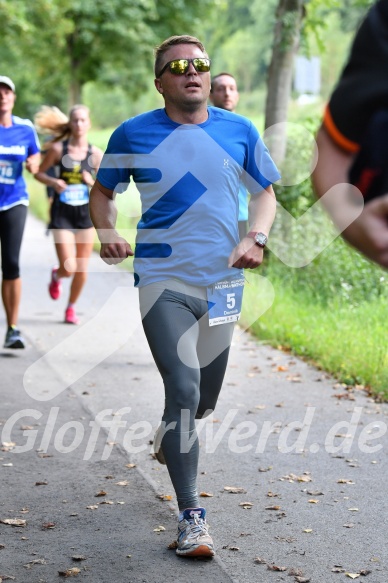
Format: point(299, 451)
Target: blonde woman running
point(77, 162)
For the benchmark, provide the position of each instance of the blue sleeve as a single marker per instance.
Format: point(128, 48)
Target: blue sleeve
point(261, 170)
point(34, 146)
point(113, 171)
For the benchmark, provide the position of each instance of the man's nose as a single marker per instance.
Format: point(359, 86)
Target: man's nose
point(191, 70)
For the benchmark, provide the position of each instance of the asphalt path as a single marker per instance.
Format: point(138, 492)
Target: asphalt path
point(292, 464)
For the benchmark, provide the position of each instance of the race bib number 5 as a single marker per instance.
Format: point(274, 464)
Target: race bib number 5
point(225, 301)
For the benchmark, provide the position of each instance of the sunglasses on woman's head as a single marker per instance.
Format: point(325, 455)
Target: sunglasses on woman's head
point(181, 66)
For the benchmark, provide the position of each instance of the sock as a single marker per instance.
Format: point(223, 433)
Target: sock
point(180, 517)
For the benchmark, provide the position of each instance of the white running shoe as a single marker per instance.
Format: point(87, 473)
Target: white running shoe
point(193, 537)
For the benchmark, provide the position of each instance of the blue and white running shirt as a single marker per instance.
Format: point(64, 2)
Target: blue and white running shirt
point(188, 177)
point(17, 143)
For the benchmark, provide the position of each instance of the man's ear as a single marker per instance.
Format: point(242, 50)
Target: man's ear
point(158, 86)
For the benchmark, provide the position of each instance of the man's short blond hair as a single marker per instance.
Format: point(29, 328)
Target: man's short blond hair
point(171, 42)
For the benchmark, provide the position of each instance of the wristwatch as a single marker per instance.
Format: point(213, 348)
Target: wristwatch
point(259, 238)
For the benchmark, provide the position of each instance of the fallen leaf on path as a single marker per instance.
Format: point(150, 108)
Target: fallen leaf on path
point(295, 572)
point(130, 466)
point(345, 481)
point(173, 545)
point(92, 507)
point(164, 496)
point(246, 505)
point(272, 507)
point(159, 529)
point(265, 469)
point(206, 494)
point(294, 478)
point(41, 483)
point(260, 561)
point(308, 530)
point(352, 575)
point(285, 539)
point(100, 493)
point(312, 501)
point(350, 525)
point(78, 558)
point(276, 568)
point(294, 378)
point(13, 521)
point(48, 525)
point(305, 478)
point(234, 490)
point(35, 562)
point(122, 483)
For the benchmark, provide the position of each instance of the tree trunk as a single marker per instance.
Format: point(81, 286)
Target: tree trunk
point(75, 90)
point(289, 15)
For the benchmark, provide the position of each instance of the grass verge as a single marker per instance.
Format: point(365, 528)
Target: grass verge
point(350, 342)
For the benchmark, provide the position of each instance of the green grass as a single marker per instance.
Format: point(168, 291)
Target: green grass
point(350, 342)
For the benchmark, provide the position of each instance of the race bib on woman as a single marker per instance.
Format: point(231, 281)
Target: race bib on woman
point(225, 301)
point(75, 195)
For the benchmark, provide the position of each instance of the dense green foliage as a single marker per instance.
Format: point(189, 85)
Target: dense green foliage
point(51, 48)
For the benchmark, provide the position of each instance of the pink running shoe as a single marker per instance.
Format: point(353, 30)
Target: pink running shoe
point(55, 286)
point(70, 316)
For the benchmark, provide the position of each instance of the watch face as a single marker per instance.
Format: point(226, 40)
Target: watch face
point(261, 239)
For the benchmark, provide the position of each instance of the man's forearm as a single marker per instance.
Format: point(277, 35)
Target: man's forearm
point(103, 211)
point(262, 210)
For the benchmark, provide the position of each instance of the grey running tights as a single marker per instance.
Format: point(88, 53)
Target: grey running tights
point(191, 358)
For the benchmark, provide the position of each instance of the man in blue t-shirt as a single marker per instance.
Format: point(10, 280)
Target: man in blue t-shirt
point(224, 94)
point(18, 145)
point(187, 161)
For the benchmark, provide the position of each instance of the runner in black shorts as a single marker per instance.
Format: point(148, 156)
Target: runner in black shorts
point(18, 144)
point(78, 161)
point(352, 125)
